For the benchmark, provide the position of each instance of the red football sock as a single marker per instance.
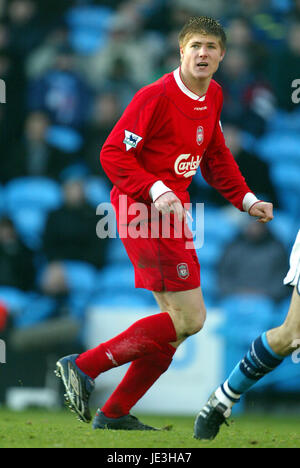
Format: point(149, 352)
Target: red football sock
point(145, 336)
point(141, 375)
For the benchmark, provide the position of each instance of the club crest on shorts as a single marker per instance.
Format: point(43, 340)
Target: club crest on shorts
point(183, 270)
point(200, 135)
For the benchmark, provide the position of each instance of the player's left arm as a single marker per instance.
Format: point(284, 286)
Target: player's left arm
point(221, 171)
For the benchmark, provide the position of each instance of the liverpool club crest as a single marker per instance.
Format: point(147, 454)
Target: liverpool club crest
point(200, 135)
point(183, 270)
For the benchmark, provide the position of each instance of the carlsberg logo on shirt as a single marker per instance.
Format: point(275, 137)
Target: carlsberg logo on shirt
point(186, 167)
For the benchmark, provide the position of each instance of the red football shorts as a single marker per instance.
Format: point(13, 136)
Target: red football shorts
point(159, 254)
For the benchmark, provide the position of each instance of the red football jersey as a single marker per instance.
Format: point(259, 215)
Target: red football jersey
point(165, 134)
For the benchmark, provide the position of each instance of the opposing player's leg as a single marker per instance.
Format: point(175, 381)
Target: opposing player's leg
point(284, 338)
point(144, 372)
point(266, 353)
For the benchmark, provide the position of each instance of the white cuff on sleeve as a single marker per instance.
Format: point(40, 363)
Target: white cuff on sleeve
point(248, 201)
point(158, 189)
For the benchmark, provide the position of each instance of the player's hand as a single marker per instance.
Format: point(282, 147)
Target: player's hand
point(169, 203)
point(263, 211)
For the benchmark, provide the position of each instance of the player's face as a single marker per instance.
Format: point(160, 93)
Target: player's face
point(201, 55)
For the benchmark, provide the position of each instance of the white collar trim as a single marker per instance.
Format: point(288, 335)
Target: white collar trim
point(184, 89)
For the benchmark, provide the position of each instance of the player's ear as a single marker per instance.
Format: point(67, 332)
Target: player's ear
point(181, 53)
point(223, 52)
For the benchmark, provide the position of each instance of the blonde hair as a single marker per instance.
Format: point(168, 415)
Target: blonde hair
point(203, 25)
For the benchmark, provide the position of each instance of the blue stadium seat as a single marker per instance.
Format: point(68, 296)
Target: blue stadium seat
point(283, 121)
point(117, 253)
point(116, 282)
point(209, 285)
point(246, 316)
point(2, 204)
point(282, 309)
point(284, 227)
point(97, 191)
point(15, 299)
point(88, 27)
point(116, 277)
point(286, 175)
point(66, 139)
point(200, 181)
point(80, 276)
point(210, 253)
point(286, 178)
point(30, 223)
point(86, 42)
point(89, 17)
point(38, 309)
point(218, 227)
point(122, 300)
point(35, 192)
point(279, 146)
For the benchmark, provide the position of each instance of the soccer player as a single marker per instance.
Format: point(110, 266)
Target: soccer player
point(265, 354)
point(170, 128)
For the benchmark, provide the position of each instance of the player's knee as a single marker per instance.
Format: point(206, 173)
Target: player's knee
point(194, 328)
point(287, 338)
point(291, 338)
point(194, 324)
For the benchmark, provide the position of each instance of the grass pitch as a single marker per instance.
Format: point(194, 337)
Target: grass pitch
point(46, 429)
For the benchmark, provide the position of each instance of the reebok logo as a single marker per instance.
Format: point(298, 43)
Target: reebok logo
point(111, 358)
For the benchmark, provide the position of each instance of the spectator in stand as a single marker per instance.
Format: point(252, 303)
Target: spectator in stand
point(267, 20)
point(254, 263)
point(248, 101)
point(70, 232)
point(4, 35)
point(52, 11)
point(294, 13)
point(43, 57)
point(33, 155)
point(288, 60)
point(16, 260)
point(105, 114)
point(240, 33)
point(70, 240)
point(170, 59)
point(61, 92)
point(213, 8)
point(12, 114)
point(26, 29)
point(127, 42)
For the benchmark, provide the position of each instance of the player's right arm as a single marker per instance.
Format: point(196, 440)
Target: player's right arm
point(120, 155)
